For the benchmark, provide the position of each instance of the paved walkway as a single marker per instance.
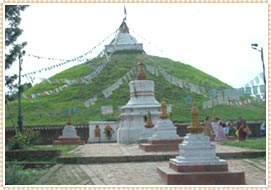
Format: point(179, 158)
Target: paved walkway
point(114, 149)
point(138, 173)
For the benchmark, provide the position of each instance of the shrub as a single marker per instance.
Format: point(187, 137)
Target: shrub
point(19, 141)
point(16, 175)
point(32, 137)
point(22, 141)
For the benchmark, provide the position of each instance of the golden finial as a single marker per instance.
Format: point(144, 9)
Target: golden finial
point(195, 115)
point(164, 114)
point(141, 71)
point(69, 120)
point(195, 124)
point(149, 123)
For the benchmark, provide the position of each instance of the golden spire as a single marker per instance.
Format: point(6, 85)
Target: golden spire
point(164, 114)
point(141, 71)
point(195, 115)
point(69, 120)
point(195, 127)
point(149, 123)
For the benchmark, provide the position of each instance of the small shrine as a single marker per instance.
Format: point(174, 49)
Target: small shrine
point(197, 163)
point(164, 137)
point(142, 101)
point(69, 135)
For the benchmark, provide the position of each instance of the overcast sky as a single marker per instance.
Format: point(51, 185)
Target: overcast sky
point(215, 38)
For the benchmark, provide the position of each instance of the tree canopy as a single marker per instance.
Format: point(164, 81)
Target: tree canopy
point(12, 32)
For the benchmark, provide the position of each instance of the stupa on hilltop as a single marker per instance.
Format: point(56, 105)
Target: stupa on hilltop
point(123, 41)
point(142, 102)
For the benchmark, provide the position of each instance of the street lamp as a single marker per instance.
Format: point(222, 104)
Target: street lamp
point(20, 117)
point(255, 46)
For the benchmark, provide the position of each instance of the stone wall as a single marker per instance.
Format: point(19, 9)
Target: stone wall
point(51, 133)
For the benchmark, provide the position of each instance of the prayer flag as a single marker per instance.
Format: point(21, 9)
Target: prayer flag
point(255, 89)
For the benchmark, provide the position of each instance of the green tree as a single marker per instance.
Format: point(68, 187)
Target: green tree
point(13, 48)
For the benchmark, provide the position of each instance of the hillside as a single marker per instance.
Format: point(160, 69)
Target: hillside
point(53, 109)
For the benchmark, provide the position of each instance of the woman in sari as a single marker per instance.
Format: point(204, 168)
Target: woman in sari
point(220, 136)
point(241, 125)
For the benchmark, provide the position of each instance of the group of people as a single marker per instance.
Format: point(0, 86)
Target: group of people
point(220, 129)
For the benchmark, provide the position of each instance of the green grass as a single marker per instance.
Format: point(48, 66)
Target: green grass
point(16, 175)
point(65, 149)
point(50, 110)
point(254, 143)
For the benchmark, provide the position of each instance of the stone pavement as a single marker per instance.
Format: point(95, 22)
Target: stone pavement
point(139, 173)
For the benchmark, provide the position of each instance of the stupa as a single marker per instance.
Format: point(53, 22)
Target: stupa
point(123, 41)
point(164, 137)
point(197, 163)
point(69, 135)
point(142, 101)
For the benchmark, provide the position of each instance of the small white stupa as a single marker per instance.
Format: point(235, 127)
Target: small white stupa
point(69, 135)
point(197, 163)
point(164, 129)
point(164, 137)
point(142, 101)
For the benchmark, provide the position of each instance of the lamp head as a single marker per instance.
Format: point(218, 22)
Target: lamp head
point(254, 45)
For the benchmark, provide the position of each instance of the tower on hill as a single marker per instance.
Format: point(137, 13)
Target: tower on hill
point(123, 41)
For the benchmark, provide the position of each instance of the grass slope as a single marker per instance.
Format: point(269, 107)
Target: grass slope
point(50, 110)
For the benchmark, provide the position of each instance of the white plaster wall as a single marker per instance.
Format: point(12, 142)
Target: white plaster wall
point(102, 125)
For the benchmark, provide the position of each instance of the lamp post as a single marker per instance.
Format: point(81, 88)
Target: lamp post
point(255, 46)
point(20, 117)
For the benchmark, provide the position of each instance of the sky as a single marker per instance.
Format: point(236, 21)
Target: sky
point(215, 38)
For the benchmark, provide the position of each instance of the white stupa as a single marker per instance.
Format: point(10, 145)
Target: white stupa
point(197, 163)
point(164, 128)
point(142, 101)
point(123, 41)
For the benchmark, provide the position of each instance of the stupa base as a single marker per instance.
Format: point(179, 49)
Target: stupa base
point(69, 141)
point(200, 175)
point(161, 145)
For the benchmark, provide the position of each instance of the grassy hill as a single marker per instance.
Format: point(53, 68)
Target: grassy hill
point(52, 109)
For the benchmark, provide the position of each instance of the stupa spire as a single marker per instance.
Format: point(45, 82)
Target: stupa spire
point(141, 71)
point(164, 114)
point(69, 120)
point(195, 124)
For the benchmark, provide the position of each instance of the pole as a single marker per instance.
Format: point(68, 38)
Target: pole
point(263, 67)
point(20, 117)
point(264, 80)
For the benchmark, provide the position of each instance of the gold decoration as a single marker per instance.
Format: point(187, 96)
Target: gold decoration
point(97, 131)
point(164, 114)
point(195, 125)
point(149, 123)
point(69, 120)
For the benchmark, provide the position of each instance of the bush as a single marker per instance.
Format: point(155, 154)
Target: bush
point(32, 137)
point(19, 141)
point(16, 175)
point(22, 141)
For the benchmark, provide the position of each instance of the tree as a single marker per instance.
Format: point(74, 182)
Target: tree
point(13, 49)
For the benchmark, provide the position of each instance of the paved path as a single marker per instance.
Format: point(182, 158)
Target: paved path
point(114, 149)
point(137, 173)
